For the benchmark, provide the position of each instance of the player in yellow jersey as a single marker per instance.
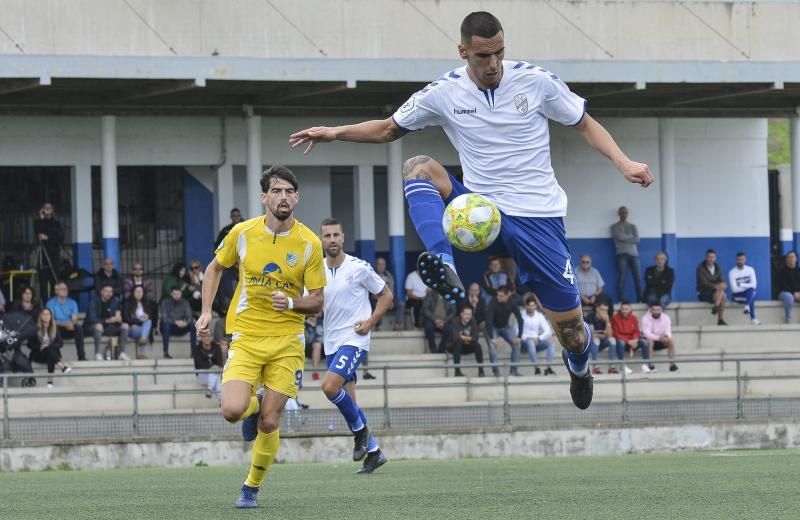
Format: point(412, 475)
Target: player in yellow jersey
point(277, 258)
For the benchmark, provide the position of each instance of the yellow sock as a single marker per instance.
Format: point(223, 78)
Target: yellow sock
point(251, 408)
point(264, 450)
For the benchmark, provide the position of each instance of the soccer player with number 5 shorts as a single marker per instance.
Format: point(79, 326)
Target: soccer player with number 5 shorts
point(348, 319)
point(495, 113)
point(277, 258)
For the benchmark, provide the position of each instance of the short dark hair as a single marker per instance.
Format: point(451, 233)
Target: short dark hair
point(175, 288)
point(504, 289)
point(740, 253)
point(655, 304)
point(277, 171)
point(479, 23)
point(236, 210)
point(710, 251)
point(624, 302)
point(531, 298)
point(330, 221)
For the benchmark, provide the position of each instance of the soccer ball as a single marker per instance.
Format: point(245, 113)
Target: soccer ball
point(471, 222)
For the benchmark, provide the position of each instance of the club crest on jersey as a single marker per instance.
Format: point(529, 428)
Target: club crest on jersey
point(521, 102)
point(407, 106)
point(291, 259)
point(271, 267)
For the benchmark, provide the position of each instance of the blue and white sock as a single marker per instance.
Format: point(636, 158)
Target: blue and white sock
point(579, 362)
point(349, 409)
point(372, 445)
point(426, 208)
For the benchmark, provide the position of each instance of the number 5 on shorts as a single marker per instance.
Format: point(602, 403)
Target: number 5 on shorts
point(341, 362)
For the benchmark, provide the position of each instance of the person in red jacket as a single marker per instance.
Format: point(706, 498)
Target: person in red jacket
point(626, 332)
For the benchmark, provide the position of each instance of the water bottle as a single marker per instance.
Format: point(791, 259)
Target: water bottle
point(331, 424)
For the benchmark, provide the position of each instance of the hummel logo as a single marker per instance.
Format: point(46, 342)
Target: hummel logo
point(460, 111)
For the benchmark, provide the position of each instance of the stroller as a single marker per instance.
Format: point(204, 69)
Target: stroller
point(15, 328)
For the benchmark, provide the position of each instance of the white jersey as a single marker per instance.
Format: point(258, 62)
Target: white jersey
point(502, 134)
point(535, 326)
point(742, 279)
point(347, 301)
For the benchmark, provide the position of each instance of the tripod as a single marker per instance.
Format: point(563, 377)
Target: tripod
point(45, 273)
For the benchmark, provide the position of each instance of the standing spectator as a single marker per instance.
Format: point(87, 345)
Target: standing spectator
point(65, 313)
point(137, 279)
point(436, 312)
point(194, 289)
point(208, 356)
point(314, 335)
point(105, 317)
point(657, 330)
point(658, 281)
point(498, 325)
point(626, 238)
point(789, 284)
point(416, 290)
point(495, 278)
point(138, 313)
point(26, 304)
point(397, 304)
point(536, 330)
point(743, 283)
point(176, 319)
point(710, 287)
point(50, 236)
point(590, 287)
point(46, 345)
point(176, 277)
point(626, 331)
point(109, 276)
point(464, 339)
point(236, 217)
point(603, 338)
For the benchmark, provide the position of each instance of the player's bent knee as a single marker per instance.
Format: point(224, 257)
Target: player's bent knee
point(330, 388)
point(270, 422)
point(412, 166)
point(232, 412)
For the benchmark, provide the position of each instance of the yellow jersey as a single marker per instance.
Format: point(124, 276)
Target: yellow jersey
point(268, 262)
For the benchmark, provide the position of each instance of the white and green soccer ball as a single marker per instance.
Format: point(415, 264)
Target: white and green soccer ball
point(471, 222)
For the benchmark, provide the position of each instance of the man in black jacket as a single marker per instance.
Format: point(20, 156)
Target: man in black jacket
point(464, 338)
point(658, 281)
point(50, 237)
point(498, 325)
point(789, 284)
point(105, 319)
point(108, 276)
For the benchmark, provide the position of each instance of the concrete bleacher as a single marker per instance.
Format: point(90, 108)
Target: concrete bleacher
point(434, 386)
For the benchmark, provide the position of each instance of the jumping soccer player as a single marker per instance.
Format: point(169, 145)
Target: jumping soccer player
point(348, 320)
point(277, 257)
point(496, 113)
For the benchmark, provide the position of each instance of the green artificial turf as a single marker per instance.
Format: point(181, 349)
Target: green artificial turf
point(732, 484)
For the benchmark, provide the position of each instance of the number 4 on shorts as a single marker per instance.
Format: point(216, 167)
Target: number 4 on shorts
point(568, 274)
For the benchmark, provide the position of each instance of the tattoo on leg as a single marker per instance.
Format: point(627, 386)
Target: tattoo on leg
point(411, 164)
point(571, 334)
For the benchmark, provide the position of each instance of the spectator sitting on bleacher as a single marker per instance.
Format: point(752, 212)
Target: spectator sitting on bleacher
point(314, 336)
point(108, 276)
point(65, 313)
point(138, 312)
point(176, 319)
point(657, 330)
point(590, 287)
point(710, 287)
point(194, 289)
point(495, 278)
point(416, 290)
point(177, 276)
point(626, 332)
point(536, 330)
point(397, 304)
point(658, 281)
point(789, 284)
point(464, 338)
point(26, 304)
point(46, 345)
point(208, 356)
point(105, 318)
point(137, 279)
point(498, 325)
point(436, 312)
point(742, 279)
point(603, 338)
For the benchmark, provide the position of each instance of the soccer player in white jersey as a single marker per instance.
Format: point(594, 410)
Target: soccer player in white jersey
point(496, 114)
point(348, 319)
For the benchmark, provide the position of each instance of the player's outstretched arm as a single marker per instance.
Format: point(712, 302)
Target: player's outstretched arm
point(599, 139)
point(376, 131)
point(211, 279)
point(385, 299)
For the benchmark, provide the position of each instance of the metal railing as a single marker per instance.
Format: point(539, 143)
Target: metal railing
point(505, 412)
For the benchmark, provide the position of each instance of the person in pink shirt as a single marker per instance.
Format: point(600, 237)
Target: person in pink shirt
point(657, 330)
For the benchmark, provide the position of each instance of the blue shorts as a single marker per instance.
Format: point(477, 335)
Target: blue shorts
point(345, 362)
point(539, 247)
